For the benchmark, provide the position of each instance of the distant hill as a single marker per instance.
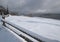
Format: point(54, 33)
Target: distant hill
point(45, 15)
point(53, 16)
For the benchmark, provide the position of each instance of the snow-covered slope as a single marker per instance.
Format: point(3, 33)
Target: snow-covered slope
point(7, 35)
point(48, 28)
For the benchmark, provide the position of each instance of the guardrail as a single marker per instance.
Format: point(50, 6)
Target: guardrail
point(25, 34)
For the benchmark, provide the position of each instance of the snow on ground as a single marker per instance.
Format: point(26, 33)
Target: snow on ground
point(48, 28)
point(8, 36)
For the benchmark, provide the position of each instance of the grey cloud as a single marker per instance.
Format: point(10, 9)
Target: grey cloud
point(52, 6)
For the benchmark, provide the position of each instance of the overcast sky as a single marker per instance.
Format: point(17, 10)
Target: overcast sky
point(33, 6)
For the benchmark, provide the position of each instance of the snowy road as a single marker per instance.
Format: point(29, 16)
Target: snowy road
point(47, 28)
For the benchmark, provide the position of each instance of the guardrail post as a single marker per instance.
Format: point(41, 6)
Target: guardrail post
point(3, 17)
point(3, 21)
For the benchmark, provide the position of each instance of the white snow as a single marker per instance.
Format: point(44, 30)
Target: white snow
point(7, 35)
point(48, 28)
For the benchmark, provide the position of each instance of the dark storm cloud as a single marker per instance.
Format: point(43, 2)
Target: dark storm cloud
point(44, 6)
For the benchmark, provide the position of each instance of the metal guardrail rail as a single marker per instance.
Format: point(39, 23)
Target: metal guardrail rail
point(21, 32)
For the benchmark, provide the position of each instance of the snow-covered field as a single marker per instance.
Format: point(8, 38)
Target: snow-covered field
point(47, 28)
